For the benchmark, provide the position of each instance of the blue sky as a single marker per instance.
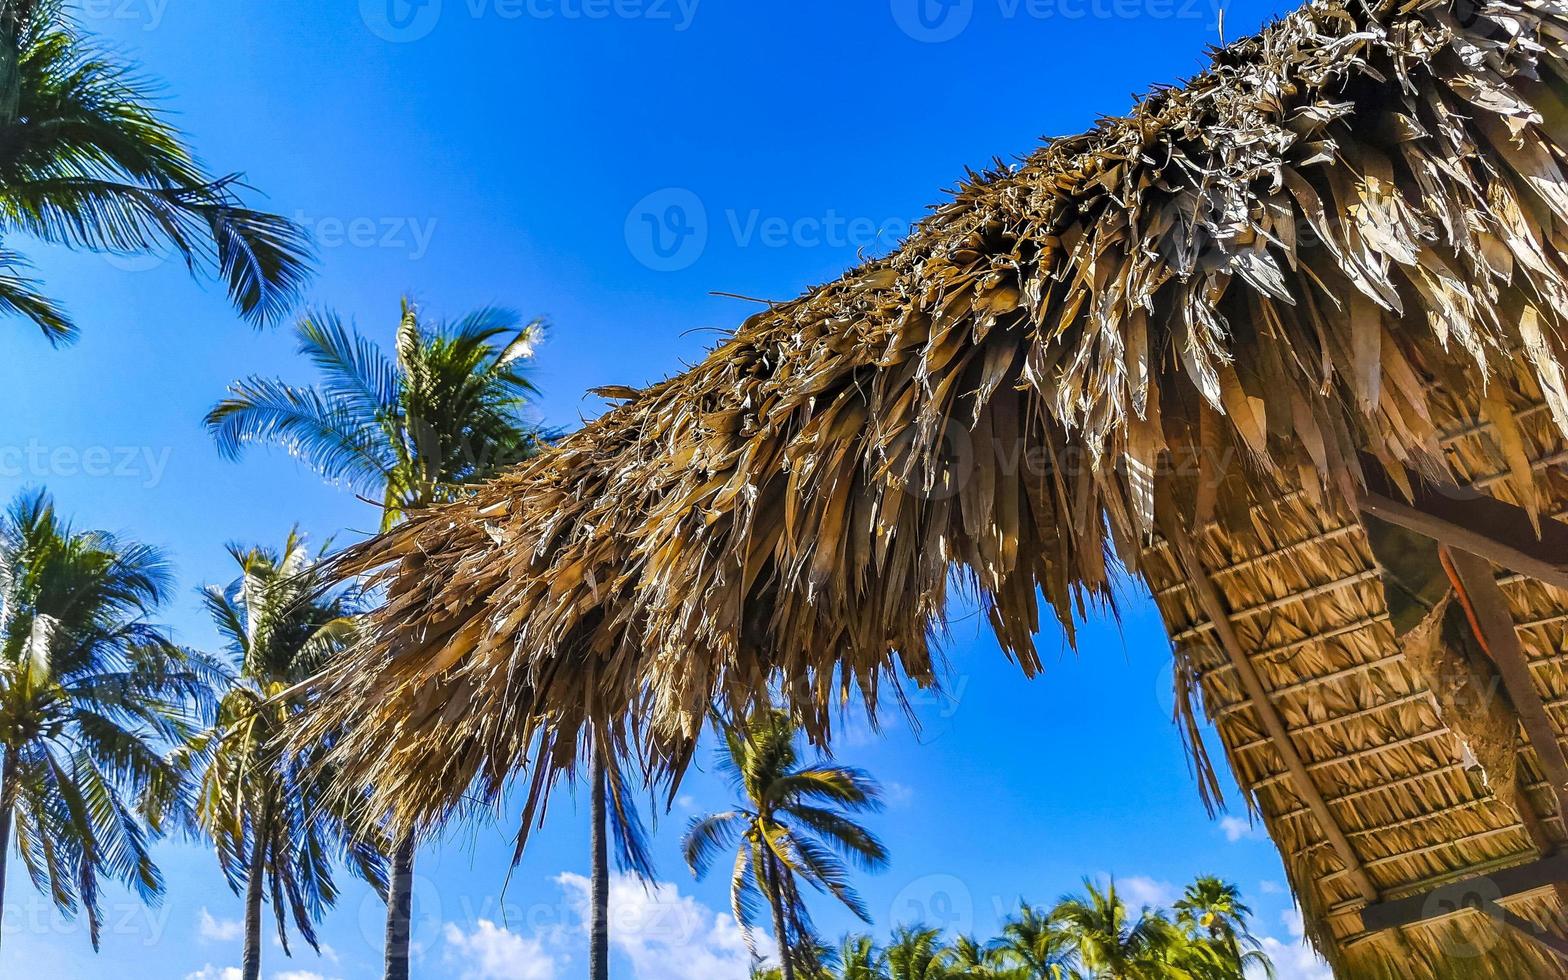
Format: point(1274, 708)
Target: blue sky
point(609, 164)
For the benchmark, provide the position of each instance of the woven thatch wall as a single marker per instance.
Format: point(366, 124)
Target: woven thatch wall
point(1341, 242)
point(1306, 597)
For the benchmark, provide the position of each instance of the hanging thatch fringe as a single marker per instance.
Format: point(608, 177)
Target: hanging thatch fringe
point(1338, 243)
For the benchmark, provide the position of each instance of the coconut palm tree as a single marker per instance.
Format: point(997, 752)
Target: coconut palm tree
point(1033, 944)
point(917, 953)
point(860, 959)
point(266, 805)
point(87, 162)
point(1110, 944)
point(813, 960)
point(1213, 908)
point(408, 430)
point(969, 959)
point(793, 824)
point(88, 690)
point(613, 814)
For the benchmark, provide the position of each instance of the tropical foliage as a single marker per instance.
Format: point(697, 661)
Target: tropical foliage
point(87, 161)
point(1089, 936)
point(793, 825)
point(407, 429)
point(89, 691)
point(111, 734)
point(266, 804)
point(1214, 908)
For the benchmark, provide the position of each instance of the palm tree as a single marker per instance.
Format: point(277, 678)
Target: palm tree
point(791, 820)
point(1213, 908)
point(917, 953)
point(613, 814)
point(88, 688)
point(813, 960)
point(859, 959)
point(969, 959)
point(407, 430)
point(1035, 945)
point(266, 805)
point(86, 162)
point(410, 429)
point(1109, 944)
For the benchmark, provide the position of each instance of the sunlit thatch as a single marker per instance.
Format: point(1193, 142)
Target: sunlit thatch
point(1341, 242)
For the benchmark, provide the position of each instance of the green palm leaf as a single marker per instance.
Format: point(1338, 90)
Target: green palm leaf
point(89, 690)
point(85, 161)
point(791, 829)
point(265, 802)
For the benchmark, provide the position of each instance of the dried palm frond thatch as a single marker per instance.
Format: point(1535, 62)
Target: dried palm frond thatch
point(1340, 243)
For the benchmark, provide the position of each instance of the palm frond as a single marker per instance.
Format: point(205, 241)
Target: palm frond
point(19, 296)
point(707, 836)
point(86, 161)
point(355, 371)
point(337, 444)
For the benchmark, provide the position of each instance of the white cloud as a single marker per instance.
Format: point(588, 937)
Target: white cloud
point(1237, 829)
point(218, 930)
point(897, 794)
point(658, 932)
point(663, 934)
point(492, 952)
point(1293, 960)
point(210, 972)
point(1271, 888)
point(1139, 890)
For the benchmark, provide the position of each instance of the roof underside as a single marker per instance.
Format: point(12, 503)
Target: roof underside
point(1341, 243)
point(1307, 600)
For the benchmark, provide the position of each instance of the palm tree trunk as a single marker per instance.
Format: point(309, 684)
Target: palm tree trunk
point(400, 908)
point(776, 900)
point(10, 62)
point(599, 918)
point(15, 15)
point(7, 804)
point(256, 874)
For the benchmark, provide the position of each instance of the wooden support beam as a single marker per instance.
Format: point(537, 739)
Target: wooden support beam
point(1499, 634)
point(1214, 607)
point(1479, 894)
point(1474, 522)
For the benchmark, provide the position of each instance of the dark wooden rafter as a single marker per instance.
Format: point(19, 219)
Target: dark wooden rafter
point(1214, 608)
point(1482, 894)
point(1472, 521)
point(1476, 531)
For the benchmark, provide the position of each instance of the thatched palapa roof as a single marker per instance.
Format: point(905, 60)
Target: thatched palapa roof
point(1185, 341)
